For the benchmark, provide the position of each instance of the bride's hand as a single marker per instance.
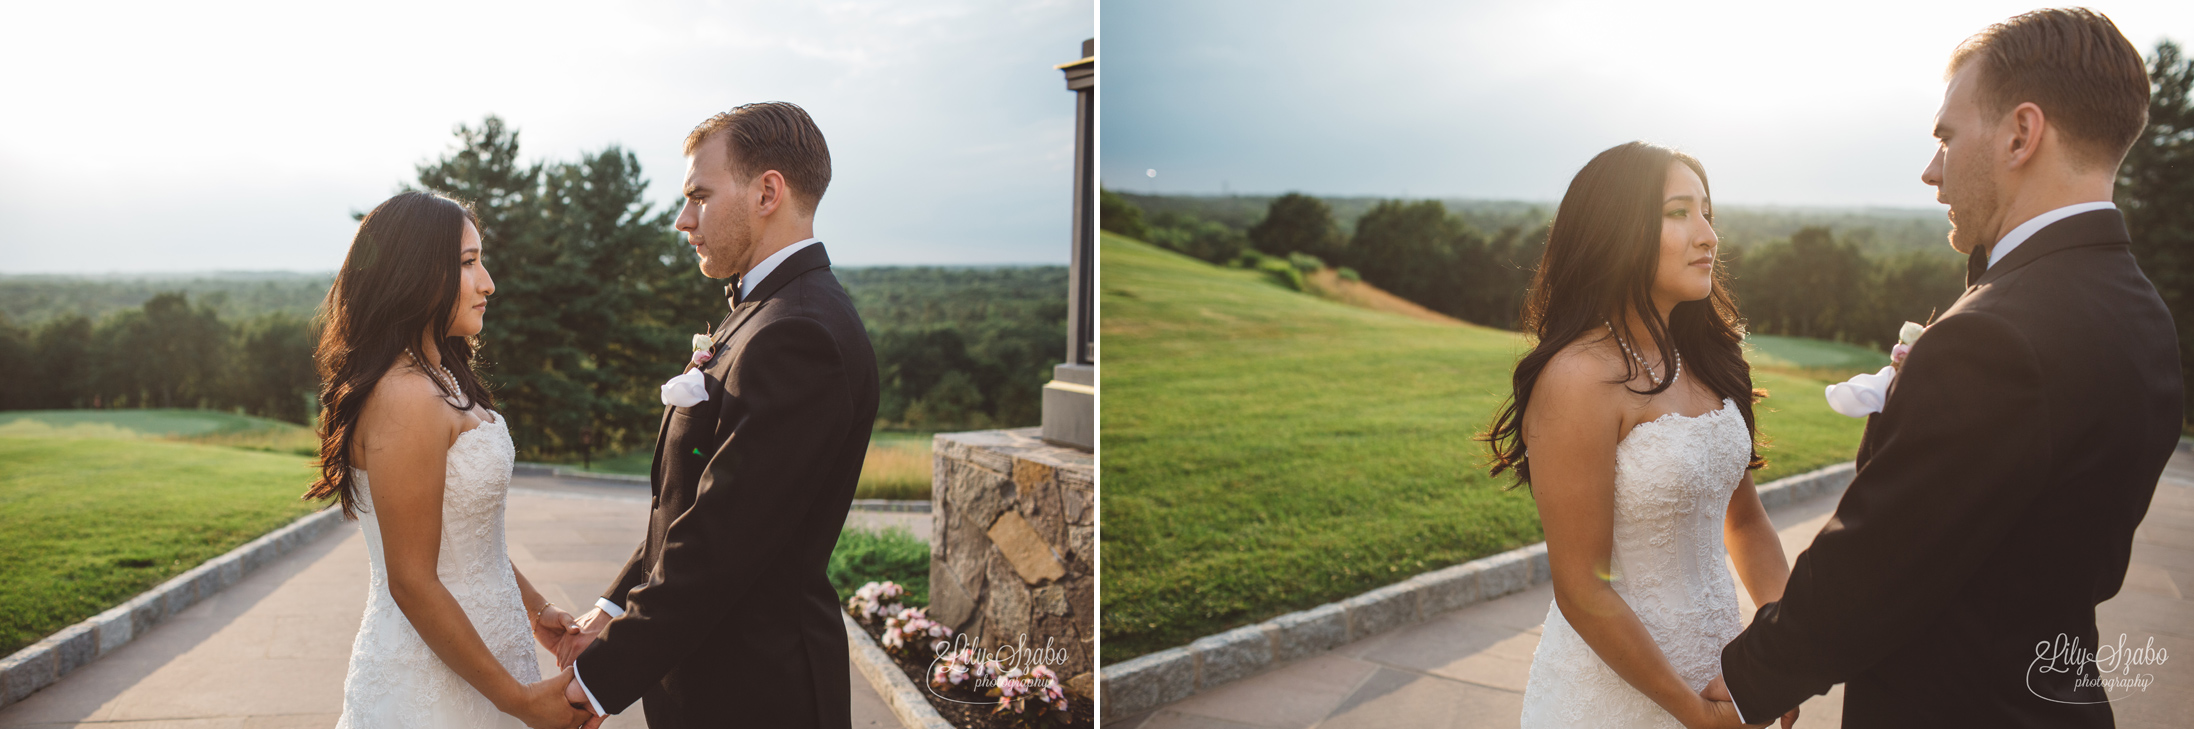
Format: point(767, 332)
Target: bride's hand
point(1714, 714)
point(552, 625)
point(542, 705)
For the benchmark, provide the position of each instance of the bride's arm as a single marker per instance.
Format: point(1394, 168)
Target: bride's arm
point(1754, 546)
point(1571, 427)
point(405, 431)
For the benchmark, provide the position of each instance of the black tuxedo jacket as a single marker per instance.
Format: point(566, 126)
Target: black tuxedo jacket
point(729, 619)
point(1994, 506)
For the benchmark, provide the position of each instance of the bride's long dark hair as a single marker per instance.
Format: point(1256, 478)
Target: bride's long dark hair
point(1602, 254)
point(399, 279)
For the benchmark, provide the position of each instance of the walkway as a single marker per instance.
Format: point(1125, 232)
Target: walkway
point(270, 652)
point(1468, 668)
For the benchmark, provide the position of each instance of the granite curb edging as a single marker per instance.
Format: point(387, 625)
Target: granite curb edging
point(42, 663)
point(1156, 679)
point(906, 701)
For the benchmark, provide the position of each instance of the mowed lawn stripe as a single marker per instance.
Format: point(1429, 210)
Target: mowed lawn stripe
point(88, 523)
point(1266, 451)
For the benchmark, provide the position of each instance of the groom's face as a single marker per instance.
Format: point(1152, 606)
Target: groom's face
point(1966, 170)
point(718, 218)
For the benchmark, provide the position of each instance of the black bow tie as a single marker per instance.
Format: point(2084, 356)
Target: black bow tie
point(731, 292)
point(1976, 263)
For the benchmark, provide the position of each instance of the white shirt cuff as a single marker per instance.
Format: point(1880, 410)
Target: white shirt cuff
point(1725, 686)
point(591, 703)
point(609, 607)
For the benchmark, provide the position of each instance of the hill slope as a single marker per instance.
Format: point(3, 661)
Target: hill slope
point(1267, 451)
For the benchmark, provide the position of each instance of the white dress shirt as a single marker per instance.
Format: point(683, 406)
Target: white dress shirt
point(747, 282)
point(2029, 228)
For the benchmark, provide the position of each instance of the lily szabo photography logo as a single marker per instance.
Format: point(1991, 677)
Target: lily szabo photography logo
point(2059, 667)
point(1010, 671)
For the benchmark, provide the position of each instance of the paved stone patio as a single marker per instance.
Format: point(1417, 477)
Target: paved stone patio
point(1468, 668)
point(270, 652)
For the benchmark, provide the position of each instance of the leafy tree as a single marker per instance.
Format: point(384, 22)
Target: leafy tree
point(1298, 223)
point(1116, 214)
point(2156, 193)
point(1809, 286)
point(274, 375)
point(1202, 239)
point(64, 363)
point(15, 363)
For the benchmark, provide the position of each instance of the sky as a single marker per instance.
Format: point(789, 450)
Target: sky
point(1802, 104)
point(162, 137)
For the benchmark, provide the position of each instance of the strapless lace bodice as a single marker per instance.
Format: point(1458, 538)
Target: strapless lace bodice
point(395, 680)
point(1673, 480)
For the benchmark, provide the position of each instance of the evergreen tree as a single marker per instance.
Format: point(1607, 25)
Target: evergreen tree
point(2156, 194)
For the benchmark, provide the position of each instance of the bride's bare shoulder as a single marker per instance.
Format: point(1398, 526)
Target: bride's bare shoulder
point(405, 395)
point(1590, 364)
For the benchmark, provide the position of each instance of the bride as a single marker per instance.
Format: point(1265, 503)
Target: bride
point(1631, 421)
point(412, 450)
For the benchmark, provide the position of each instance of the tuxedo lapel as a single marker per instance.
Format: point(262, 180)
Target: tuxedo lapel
point(800, 262)
point(2088, 229)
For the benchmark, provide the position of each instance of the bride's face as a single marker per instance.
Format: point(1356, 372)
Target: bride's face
point(1686, 269)
point(473, 286)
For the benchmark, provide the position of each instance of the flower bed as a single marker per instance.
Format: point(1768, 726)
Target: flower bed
point(971, 688)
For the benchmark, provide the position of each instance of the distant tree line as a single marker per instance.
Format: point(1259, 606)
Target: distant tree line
point(1856, 285)
point(596, 299)
point(169, 353)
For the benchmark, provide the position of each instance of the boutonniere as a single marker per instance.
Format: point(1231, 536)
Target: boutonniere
point(1865, 395)
point(689, 389)
point(1907, 336)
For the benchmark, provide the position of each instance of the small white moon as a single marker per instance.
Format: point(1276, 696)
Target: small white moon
point(1150, 173)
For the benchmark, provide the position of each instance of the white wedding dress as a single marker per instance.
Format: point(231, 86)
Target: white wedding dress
point(1673, 480)
point(395, 680)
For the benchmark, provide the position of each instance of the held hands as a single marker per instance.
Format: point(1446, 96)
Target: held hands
point(1720, 705)
point(544, 706)
point(571, 644)
point(550, 627)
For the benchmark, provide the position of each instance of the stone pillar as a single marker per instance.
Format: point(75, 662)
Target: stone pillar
point(1013, 552)
point(1070, 399)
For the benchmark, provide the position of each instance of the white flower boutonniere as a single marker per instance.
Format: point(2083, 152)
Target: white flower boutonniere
point(1865, 395)
point(690, 389)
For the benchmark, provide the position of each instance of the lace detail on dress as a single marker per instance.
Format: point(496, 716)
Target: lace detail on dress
point(1673, 480)
point(395, 680)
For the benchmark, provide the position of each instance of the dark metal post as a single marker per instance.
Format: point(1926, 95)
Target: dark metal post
point(1070, 399)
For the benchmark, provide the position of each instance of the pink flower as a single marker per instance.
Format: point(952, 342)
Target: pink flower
point(1897, 353)
point(700, 357)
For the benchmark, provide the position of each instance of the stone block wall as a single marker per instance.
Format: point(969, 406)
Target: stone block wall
point(1013, 547)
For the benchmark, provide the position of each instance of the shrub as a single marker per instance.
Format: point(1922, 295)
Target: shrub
point(1349, 274)
point(1282, 272)
point(1305, 262)
point(892, 554)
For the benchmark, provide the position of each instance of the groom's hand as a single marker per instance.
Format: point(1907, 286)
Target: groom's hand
point(543, 705)
point(1718, 690)
point(572, 644)
point(576, 695)
point(550, 627)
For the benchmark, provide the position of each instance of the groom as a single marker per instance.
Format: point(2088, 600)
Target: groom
point(1998, 489)
point(724, 617)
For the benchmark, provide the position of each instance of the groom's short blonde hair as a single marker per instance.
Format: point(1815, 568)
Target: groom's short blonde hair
point(772, 135)
point(2073, 63)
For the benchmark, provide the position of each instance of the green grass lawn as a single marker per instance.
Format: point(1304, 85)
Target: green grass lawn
point(87, 522)
point(897, 467)
point(1267, 451)
point(1815, 357)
